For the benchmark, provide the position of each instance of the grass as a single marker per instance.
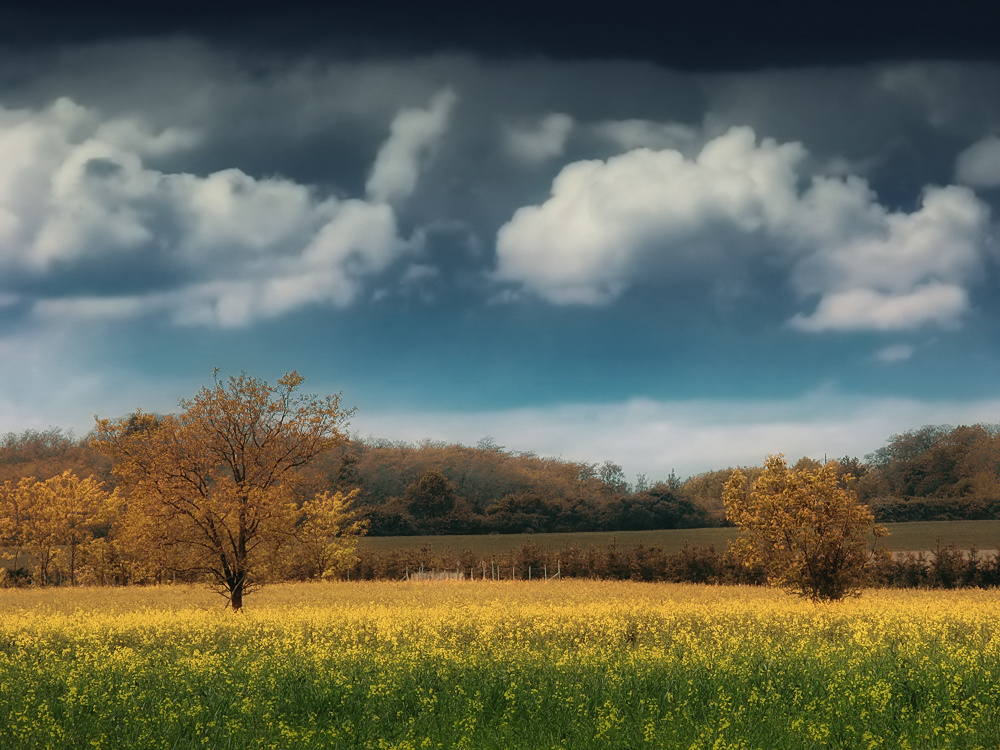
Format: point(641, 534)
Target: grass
point(915, 536)
point(573, 664)
point(486, 544)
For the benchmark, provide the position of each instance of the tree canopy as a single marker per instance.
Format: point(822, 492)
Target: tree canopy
point(805, 527)
point(219, 479)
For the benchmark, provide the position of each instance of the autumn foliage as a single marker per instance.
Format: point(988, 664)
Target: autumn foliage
point(214, 488)
point(52, 521)
point(251, 483)
point(805, 527)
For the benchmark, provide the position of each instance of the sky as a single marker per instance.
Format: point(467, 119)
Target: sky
point(677, 242)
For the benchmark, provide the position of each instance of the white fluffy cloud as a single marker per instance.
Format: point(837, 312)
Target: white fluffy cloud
point(869, 309)
point(538, 141)
point(649, 212)
point(907, 271)
point(607, 222)
point(75, 194)
point(979, 164)
point(414, 134)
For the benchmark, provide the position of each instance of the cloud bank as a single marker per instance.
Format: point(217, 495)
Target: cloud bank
point(690, 437)
point(221, 249)
point(224, 194)
point(611, 223)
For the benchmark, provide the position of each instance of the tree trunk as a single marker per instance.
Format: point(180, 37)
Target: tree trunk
point(236, 599)
point(236, 591)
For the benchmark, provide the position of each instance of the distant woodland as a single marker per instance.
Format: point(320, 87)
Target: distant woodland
point(932, 473)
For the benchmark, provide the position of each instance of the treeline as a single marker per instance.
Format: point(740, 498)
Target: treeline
point(68, 530)
point(933, 473)
point(434, 488)
point(43, 454)
point(439, 488)
point(943, 568)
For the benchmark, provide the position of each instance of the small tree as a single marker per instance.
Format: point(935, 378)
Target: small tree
point(12, 519)
point(67, 510)
point(218, 480)
point(52, 520)
point(327, 534)
point(805, 527)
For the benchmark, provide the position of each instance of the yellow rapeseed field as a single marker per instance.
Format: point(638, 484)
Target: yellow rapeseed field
point(558, 664)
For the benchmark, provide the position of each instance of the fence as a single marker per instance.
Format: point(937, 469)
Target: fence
point(495, 573)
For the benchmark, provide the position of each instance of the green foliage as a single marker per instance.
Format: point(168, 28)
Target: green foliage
point(659, 507)
point(525, 513)
point(327, 532)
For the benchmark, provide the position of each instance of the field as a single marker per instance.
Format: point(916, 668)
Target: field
point(915, 536)
point(570, 664)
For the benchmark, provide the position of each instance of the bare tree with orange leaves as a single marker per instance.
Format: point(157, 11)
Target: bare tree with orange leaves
point(219, 478)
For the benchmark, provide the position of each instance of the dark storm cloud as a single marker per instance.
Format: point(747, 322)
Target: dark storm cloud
point(898, 124)
point(314, 120)
point(711, 35)
point(178, 148)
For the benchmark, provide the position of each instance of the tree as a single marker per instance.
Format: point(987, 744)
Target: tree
point(219, 479)
point(67, 508)
point(52, 519)
point(525, 513)
point(12, 518)
point(327, 533)
point(431, 497)
point(805, 527)
point(705, 490)
point(612, 479)
point(661, 506)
